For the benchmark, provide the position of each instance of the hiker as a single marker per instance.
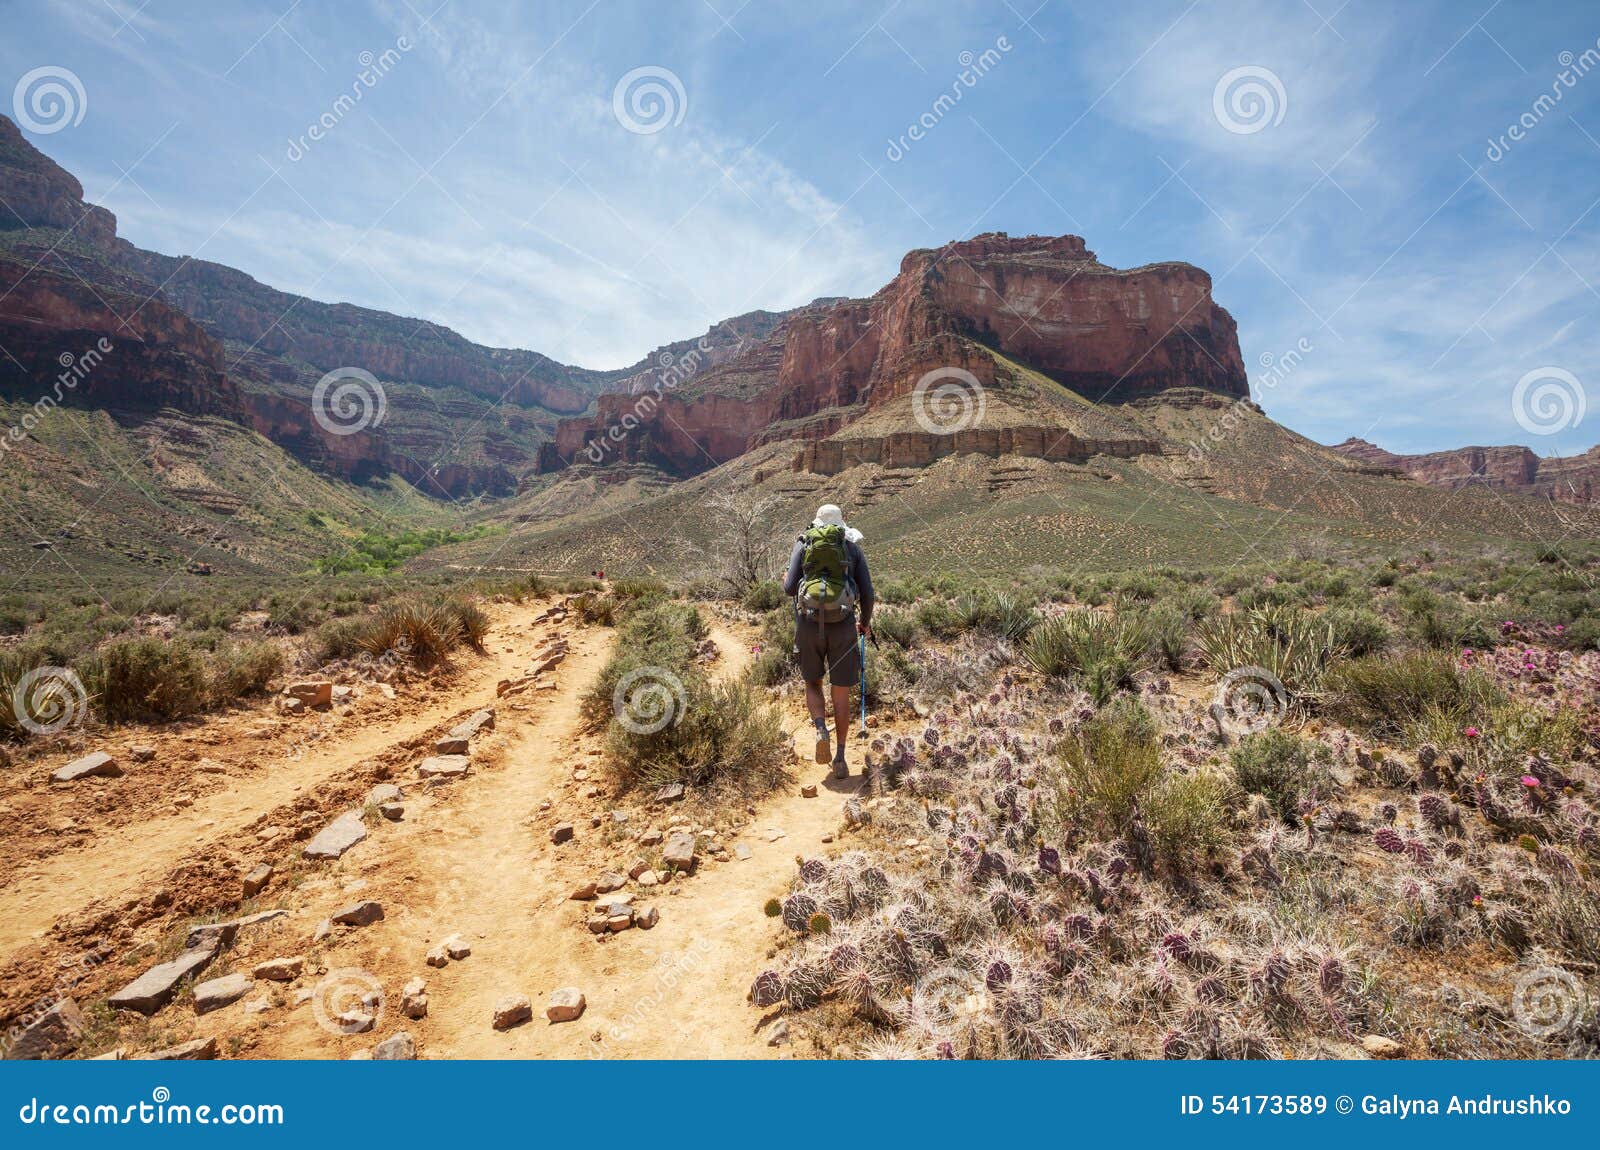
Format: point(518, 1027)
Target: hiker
point(829, 580)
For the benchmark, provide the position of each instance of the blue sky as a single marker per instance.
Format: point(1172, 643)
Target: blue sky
point(1365, 203)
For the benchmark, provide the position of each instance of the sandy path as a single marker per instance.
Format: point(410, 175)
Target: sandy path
point(480, 863)
point(119, 861)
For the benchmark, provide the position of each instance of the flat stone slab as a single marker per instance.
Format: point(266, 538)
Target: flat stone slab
point(98, 765)
point(444, 766)
point(311, 692)
point(566, 1005)
point(363, 913)
point(221, 934)
point(156, 987)
point(337, 837)
point(200, 1048)
point(215, 993)
point(474, 723)
point(280, 969)
point(452, 745)
point(53, 1034)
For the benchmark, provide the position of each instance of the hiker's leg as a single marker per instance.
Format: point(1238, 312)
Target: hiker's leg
point(814, 702)
point(841, 717)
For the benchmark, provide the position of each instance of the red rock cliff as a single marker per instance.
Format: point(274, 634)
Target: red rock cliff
point(1043, 301)
point(1574, 480)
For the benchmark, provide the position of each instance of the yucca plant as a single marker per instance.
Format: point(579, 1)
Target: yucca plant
point(1102, 651)
point(1292, 644)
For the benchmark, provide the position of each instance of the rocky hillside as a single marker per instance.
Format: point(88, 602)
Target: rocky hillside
point(1034, 328)
point(460, 419)
point(1518, 469)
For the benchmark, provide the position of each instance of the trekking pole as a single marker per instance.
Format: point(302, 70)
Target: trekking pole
point(861, 645)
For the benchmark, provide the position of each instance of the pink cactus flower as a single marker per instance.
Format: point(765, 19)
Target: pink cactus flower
point(1471, 732)
point(1529, 781)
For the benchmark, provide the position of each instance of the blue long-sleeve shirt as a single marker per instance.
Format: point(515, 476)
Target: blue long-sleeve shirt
point(856, 571)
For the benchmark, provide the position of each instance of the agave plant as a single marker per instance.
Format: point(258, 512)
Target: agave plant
point(1295, 646)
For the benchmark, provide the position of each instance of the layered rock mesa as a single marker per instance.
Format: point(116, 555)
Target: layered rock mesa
point(1516, 469)
point(199, 337)
point(984, 307)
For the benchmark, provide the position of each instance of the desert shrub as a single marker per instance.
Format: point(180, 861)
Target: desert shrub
point(1102, 652)
point(1384, 693)
point(776, 662)
point(472, 625)
point(340, 639)
point(242, 669)
point(657, 642)
point(764, 596)
point(1141, 588)
point(938, 618)
point(666, 723)
point(1106, 766)
point(1188, 817)
point(423, 632)
point(1292, 644)
point(1581, 634)
point(596, 608)
point(1357, 631)
point(896, 625)
point(147, 678)
point(1169, 635)
point(725, 733)
point(1440, 622)
point(1284, 768)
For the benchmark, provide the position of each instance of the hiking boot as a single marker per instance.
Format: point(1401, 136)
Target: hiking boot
point(824, 745)
point(841, 769)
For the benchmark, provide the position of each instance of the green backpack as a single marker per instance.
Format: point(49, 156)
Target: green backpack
point(825, 572)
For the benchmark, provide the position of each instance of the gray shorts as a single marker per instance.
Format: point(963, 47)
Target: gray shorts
point(829, 648)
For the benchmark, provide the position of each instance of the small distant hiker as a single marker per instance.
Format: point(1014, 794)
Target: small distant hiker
point(830, 583)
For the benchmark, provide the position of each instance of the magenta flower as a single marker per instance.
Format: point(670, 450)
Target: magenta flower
point(1471, 732)
point(1529, 781)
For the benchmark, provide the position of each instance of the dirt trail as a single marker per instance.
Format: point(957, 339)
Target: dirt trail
point(119, 861)
point(472, 857)
point(480, 863)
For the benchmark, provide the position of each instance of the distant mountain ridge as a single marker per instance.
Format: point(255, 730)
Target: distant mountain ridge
point(1514, 468)
point(461, 419)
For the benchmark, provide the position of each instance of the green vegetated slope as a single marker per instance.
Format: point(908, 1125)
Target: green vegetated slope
point(1258, 492)
point(88, 494)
